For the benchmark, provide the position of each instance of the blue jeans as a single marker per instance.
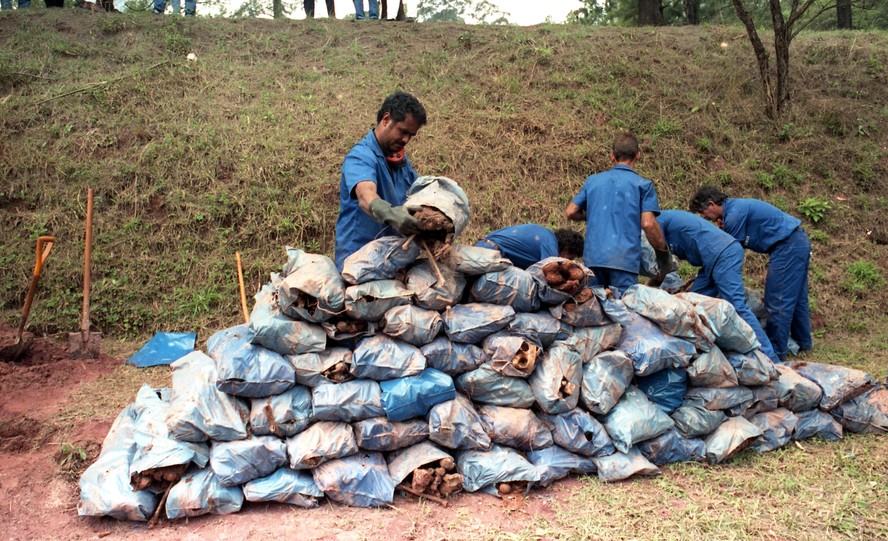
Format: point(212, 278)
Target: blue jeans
point(359, 9)
point(617, 280)
point(786, 293)
point(190, 7)
point(22, 4)
point(725, 280)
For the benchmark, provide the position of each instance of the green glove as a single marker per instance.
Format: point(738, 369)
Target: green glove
point(664, 261)
point(395, 217)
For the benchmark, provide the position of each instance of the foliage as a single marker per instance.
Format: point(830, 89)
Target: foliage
point(460, 11)
point(814, 208)
point(863, 277)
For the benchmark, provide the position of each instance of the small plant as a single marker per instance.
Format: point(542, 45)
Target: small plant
point(819, 236)
point(766, 180)
point(814, 208)
point(704, 144)
point(785, 176)
point(785, 133)
point(863, 276)
point(73, 459)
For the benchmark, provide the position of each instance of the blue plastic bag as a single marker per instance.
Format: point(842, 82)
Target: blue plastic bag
point(360, 480)
point(293, 487)
point(414, 396)
point(481, 469)
point(557, 380)
point(721, 398)
point(550, 295)
point(515, 427)
point(693, 419)
point(671, 446)
point(236, 462)
point(282, 415)
point(245, 369)
point(331, 366)
point(635, 419)
point(712, 369)
point(583, 310)
point(796, 392)
point(380, 357)
point(730, 438)
point(512, 355)
point(380, 434)
point(665, 388)
point(488, 386)
point(554, 463)
point(428, 291)
point(200, 493)
point(579, 432)
point(371, 300)
point(453, 358)
point(605, 379)
point(312, 289)
point(471, 323)
point(620, 466)
point(539, 327)
point(350, 401)
point(672, 314)
point(455, 424)
point(731, 332)
point(650, 349)
point(319, 443)
point(867, 412)
point(379, 259)
point(279, 333)
point(777, 427)
point(839, 383)
point(163, 348)
point(402, 463)
point(817, 423)
point(509, 287)
point(475, 260)
point(753, 368)
point(590, 341)
point(412, 324)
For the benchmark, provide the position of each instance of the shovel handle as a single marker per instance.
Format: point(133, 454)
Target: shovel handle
point(240, 282)
point(87, 265)
point(44, 247)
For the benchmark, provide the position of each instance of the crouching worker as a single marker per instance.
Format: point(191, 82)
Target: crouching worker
point(527, 244)
point(763, 228)
point(720, 257)
point(376, 175)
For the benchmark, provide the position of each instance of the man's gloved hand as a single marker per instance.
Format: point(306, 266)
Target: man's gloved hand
point(396, 217)
point(664, 261)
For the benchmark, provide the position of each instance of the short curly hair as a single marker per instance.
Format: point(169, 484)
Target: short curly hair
point(569, 241)
point(399, 105)
point(703, 196)
point(625, 147)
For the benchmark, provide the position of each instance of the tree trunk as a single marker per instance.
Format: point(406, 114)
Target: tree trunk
point(782, 37)
point(650, 13)
point(277, 8)
point(692, 11)
point(843, 14)
point(761, 56)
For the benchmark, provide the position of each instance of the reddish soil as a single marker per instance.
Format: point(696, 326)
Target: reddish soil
point(38, 487)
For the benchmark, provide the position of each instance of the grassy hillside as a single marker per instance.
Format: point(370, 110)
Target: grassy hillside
point(241, 149)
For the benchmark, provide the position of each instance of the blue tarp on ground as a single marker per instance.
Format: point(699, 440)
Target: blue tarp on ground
point(164, 348)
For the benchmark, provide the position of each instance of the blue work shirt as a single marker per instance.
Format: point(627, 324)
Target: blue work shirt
point(694, 238)
point(526, 244)
point(613, 202)
point(756, 224)
point(366, 161)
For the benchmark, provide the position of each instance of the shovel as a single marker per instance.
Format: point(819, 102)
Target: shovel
point(86, 344)
point(15, 351)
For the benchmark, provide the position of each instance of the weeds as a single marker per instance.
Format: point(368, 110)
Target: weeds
point(814, 208)
point(863, 277)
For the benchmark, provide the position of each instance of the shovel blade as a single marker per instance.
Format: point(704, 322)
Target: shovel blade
point(13, 353)
point(88, 347)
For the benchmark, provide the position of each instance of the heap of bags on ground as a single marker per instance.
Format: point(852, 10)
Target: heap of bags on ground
point(469, 374)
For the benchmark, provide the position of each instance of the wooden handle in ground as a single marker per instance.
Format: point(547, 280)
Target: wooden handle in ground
point(240, 282)
point(87, 266)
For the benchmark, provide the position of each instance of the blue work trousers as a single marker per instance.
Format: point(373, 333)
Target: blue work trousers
point(190, 7)
point(374, 9)
point(725, 280)
point(22, 4)
point(617, 280)
point(786, 293)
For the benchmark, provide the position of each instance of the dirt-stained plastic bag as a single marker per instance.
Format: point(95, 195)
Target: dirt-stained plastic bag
point(488, 386)
point(796, 392)
point(412, 324)
point(764, 398)
point(650, 349)
point(293, 487)
point(427, 290)
point(777, 427)
point(341, 328)
point(457, 425)
point(515, 427)
point(635, 419)
point(554, 463)
point(583, 309)
point(475, 260)
point(414, 396)
point(105, 488)
point(380, 357)
point(471, 323)
point(350, 401)
point(539, 327)
point(236, 462)
point(730, 438)
point(558, 279)
point(620, 466)
point(312, 289)
point(331, 366)
point(281, 415)
point(380, 434)
point(720, 316)
point(753, 368)
point(712, 369)
point(319, 443)
point(839, 383)
point(557, 380)
point(483, 469)
point(371, 300)
point(360, 480)
point(512, 355)
point(402, 463)
point(605, 378)
point(817, 423)
point(867, 412)
point(674, 315)
point(671, 446)
point(693, 419)
point(720, 398)
point(590, 341)
point(510, 287)
point(579, 432)
point(198, 410)
point(200, 493)
point(665, 388)
point(279, 333)
point(453, 358)
point(245, 369)
point(443, 194)
point(379, 259)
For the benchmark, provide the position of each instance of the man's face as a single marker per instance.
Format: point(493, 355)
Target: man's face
point(713, 213)
point(394, 136)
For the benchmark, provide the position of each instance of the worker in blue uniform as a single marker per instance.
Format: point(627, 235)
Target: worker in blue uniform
point(763, 228)
point(376, 175)
point(617, 206)
point(720, 257)
point(527, 244)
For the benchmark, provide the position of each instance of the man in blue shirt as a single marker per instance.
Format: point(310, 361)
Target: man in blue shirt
point(527, 244)
point(720, 257)
point(763, 228)
point(376, 174)
point(617, 206)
